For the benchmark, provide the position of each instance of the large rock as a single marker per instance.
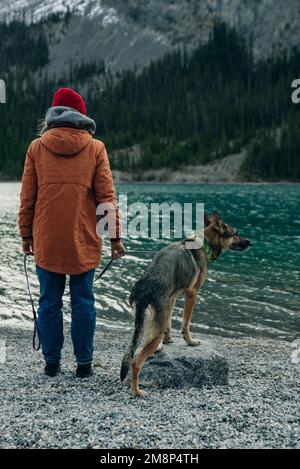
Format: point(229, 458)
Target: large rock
point(179, 366)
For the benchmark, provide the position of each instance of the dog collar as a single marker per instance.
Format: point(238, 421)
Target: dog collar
point(209, 251)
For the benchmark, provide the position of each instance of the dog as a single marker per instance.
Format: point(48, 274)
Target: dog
point(176, 270)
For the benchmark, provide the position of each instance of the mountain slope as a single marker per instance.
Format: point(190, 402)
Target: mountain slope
point(185, 109)
point(131, 33)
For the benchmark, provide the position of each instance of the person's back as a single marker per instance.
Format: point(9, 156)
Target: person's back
point(66, 175)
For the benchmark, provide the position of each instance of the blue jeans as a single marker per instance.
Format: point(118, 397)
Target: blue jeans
point(50, 318)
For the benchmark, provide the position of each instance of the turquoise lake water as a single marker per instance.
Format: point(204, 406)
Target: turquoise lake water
point(254, 293)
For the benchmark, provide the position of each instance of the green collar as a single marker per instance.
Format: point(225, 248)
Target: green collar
point(208, 251)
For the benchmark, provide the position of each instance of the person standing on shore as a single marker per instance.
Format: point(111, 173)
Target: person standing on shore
point(66, 176)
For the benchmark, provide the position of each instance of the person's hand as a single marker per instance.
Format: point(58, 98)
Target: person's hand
point(117, 249)
point(27, 246)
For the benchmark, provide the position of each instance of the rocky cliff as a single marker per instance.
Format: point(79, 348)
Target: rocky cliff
point(132, 33)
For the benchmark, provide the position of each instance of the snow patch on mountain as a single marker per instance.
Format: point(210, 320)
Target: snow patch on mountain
point(35, 10)
point(132, 33)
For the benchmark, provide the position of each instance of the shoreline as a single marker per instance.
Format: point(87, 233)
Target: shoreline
point(119, 180)
point(227, 170)
point(257, 408)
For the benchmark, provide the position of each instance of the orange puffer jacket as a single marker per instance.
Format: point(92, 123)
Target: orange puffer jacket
point(66, 175)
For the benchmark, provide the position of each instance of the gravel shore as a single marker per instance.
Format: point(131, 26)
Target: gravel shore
point(259, 406)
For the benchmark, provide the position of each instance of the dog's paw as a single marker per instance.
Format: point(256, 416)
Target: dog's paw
point(168, 340)
point(139, 393)
point(194, 342)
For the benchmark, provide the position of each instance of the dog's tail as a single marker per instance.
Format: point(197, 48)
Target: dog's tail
point(139, 320)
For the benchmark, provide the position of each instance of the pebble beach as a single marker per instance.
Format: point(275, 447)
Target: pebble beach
point(258, 406)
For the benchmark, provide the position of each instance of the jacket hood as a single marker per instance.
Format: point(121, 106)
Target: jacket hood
point(65, 141)
point(60, 116)
point(67, 131)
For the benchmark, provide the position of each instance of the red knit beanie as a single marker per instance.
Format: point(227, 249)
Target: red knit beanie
point(69, 98)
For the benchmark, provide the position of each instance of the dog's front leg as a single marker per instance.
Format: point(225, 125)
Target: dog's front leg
point(190, 300)
point(168, 339)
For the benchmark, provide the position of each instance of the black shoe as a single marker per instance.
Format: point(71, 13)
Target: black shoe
point(84, 371)
point(52, 369)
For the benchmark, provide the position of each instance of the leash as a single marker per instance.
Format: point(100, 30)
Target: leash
point(107, 266)
point(36, 341)
point(101, 273)
point(104, 270)
point(133, 253)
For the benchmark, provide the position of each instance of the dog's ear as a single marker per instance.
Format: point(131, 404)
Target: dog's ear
point(217, 221)
point(207, 220)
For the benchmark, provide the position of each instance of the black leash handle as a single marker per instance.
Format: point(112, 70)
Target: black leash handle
point(36, 341)
point(104, 270)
